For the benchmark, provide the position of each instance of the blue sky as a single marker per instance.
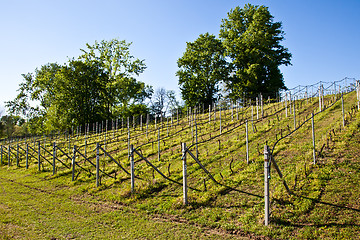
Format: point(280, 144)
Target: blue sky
point(323, 36)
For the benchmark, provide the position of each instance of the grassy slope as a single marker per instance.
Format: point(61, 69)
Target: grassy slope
point(325, 203)
point(36, 207)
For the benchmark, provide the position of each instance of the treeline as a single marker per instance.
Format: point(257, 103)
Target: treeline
point(101, 84)
point(241, 64)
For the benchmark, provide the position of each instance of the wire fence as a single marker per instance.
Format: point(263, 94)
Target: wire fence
point(225, 146)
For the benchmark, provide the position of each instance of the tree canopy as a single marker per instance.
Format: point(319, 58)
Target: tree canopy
point(99, 85)
point(201, 68)
point(252, 41)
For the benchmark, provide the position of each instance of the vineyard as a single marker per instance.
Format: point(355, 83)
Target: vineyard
point(207, 165)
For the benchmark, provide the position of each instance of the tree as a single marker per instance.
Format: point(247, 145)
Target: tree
point(81, 96)
point(11, 125)
point(98, 86)
point(123, 89)
point(202, 68)
point(158, 102)
point(252, 41)
point(115, 56)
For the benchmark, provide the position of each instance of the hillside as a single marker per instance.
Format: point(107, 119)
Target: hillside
point(226, 188)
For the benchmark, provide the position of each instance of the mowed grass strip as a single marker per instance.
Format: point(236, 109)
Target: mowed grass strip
point(32, 207)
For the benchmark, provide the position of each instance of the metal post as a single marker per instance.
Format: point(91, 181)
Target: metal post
point(257, 108)
point(1, 158)
point(141, 123)
point(17, 155)
point(39, 155)
point(27, 156)
point(262, 106)
point(320, 107)
point(54, 156)
point(128, 138)
point(147, 124)
point(286, 114)
point(247, 142)
point(159, 144)
point(313, 137)
point(196, 140)
point(220, 120)
point(184, 174)
point(342, 108)
point(132, 175)
point(73, 163)
point(209, 113)
point(97, 165)
point(357, 90)
point(266, 180)
point(86, 143)
point(9, 149)
point(294, 114)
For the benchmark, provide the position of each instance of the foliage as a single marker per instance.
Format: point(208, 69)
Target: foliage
point(11, 125)
point(252, 41)
point(115, 56)
point(202, 67)
point(98, 86)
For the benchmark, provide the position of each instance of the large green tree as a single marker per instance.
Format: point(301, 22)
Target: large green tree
point(124, 90)
point(99, 85)
point(252, 41)
point(201, 68)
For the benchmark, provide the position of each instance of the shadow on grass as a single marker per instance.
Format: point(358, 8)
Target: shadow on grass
point(317, 225)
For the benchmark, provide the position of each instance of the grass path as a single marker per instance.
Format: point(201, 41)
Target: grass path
point(35, 208)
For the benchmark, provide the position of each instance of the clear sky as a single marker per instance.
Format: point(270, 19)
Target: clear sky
point(322, 35)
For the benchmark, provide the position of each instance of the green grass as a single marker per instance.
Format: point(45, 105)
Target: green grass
point(325, 203)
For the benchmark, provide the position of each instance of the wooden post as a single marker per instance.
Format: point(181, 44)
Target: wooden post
point(54, 156)
point(73, 164)
point(266, 183)
point(1, 155)
point(247, 142)
point(97, 165)
point(184, 174)
point(132, 175)
point(313, 137)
